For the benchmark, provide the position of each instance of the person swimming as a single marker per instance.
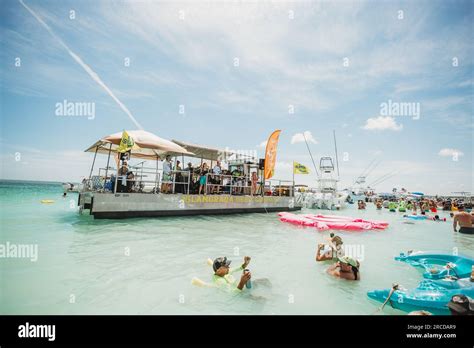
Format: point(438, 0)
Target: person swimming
point(223, 277)
point(346, 268)
point(330, 251)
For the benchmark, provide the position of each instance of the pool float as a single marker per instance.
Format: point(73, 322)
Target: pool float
point(47, 201)
point(392, 206)
point(415, 217)
point(430, 295)
point(326, 222)
point(438, 266)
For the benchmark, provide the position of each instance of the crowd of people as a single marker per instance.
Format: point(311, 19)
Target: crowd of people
point(348, 268)
point(461, 212)
point(205, 180)
point(200, 179)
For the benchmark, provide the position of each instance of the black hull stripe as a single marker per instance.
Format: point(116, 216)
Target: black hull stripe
point(185, 212)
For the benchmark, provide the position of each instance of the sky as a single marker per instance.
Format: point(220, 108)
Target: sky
point(394, 79)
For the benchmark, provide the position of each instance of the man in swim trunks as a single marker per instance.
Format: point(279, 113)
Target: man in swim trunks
point(345, 268)
point(330, 251)
point(464, 220)
point(223, 278)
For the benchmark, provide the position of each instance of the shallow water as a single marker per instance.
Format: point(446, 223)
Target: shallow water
point(145, 266)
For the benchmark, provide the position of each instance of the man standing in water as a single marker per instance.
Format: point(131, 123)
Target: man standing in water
point(345, 268)
point(464, 220)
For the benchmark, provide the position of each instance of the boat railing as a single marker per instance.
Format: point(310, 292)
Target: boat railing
point(136, 181)
point(150, 180)
point(230, 184)
point(277, 187)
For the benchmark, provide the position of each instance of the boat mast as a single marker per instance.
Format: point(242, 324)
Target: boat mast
point(335, 147)
point(314, 165)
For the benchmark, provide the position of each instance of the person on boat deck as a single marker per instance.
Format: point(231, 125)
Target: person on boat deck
point(179, 185)
point(237, 180)
point(464, 219)
point(330, 251)
point(217, 171)
point(223, 277)
point(124, 174)
point(378, 204)
point(345, 268)
point(254, 180)
point(166, 181)
point(203, 178)
point(188, 171)
point(226, 182)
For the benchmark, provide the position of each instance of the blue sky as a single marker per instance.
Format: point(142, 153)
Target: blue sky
point(334, 63)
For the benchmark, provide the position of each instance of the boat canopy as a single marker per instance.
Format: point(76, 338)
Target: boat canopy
point(205, 152)
point(150, 146)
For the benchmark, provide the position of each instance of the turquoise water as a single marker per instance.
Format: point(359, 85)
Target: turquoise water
point(145, 266)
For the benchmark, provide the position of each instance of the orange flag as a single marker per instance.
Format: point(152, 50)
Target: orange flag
point(270, 154)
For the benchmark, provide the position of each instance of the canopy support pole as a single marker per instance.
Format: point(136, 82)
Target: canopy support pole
point(107, 168)
point(93, 162)
point(117, 176)
point(156, 175)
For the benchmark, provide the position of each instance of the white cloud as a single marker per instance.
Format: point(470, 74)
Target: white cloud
point(375, 152)
point(450, 152)
point(299, 138)
point(263, 144)
point(382, 123)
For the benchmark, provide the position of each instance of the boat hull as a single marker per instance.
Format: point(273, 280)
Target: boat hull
point(130, 205)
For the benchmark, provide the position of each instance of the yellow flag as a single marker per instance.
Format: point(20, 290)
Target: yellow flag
point(126, 143)
point(270, 154)
point(298, 168)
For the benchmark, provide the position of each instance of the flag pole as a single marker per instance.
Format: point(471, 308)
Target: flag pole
point(293, 175)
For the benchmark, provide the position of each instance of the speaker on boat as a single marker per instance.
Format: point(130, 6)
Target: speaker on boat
point(261, 163)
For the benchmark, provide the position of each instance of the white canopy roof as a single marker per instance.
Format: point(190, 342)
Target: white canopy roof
point(150, 145)
point(205, 152)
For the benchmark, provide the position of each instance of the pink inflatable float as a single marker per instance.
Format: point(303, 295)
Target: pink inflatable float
point(334, 222)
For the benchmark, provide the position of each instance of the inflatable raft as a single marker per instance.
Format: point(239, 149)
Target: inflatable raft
point(438, 266)
point(430, 295)
point(327, 222)
point(415, 217)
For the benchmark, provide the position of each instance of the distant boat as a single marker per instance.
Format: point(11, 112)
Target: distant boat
point(325, 196)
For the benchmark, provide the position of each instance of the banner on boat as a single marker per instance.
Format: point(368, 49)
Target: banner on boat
point(270, 154)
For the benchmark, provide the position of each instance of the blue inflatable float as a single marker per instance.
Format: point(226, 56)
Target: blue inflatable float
point(438, 266)
point(415, 217)
point(430, 295)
